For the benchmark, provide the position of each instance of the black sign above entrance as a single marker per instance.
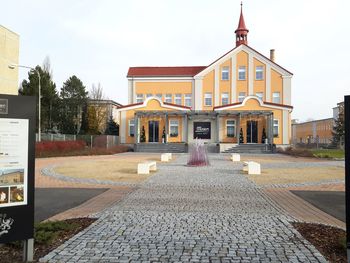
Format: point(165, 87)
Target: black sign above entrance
point(201, 130)
point(17, 145)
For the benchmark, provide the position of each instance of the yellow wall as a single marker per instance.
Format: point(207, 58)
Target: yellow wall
point(9, 53)
point(253, 105)
point(164, 88)
point(259, 85)
point(225, 85)
point(208, 86)
point(242, 85)
point(277, 84)
point(153, 105)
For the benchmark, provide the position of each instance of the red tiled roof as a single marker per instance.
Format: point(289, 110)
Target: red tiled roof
point(164, 71)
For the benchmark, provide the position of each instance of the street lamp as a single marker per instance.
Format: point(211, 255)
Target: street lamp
point(13, 66)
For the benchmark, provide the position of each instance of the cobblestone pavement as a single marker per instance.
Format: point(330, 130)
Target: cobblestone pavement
point(182, 214)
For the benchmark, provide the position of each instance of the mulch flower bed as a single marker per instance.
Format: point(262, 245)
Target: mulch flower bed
point(329, 241)
point(10, 253)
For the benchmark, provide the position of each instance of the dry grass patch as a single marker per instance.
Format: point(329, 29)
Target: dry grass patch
point(297, 175)
point(118, 169)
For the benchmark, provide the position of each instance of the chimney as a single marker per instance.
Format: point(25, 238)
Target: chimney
point(272, 55)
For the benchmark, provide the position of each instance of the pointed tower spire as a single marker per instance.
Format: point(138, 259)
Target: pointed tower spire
point(241, 31)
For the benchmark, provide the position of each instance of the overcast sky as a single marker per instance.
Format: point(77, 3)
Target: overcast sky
point(98, 40)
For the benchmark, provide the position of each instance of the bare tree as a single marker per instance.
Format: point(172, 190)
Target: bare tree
point(47, 66)
point(97, 109)
point(96, 92)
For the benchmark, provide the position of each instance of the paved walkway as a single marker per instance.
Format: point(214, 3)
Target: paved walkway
point(207, 214)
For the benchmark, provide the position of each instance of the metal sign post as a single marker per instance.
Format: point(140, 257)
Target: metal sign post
point(347, 170)
point(17, 160)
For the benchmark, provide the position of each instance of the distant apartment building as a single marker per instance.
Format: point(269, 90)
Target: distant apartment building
point(316, 131)
point(100, 111)
point(9, 54)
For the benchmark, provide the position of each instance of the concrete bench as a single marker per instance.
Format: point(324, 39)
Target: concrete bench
point(164, 157)
point(146, 167)
point(252, 167)
point(170, 156)
point(235, 157)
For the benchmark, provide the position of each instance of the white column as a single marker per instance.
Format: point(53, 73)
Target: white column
point(286, 127)
point(287, 83)
point(123, 124)
point(233, 79)
point(251, 75)
point(268, 83)
point(216, 86)
point(198, 86)
point(130, 91)
point(193, 94)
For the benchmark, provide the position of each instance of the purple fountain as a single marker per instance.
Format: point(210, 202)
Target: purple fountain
point(198, 154)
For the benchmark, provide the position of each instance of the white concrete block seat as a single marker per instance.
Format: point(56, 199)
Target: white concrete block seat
point(170, 155)
point(164, 157)
point(252, 167)
point(235, 157)
point(146, 167)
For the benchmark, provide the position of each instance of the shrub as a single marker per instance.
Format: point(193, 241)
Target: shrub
point(46, 232)
point(51, 147)
point(296, 152)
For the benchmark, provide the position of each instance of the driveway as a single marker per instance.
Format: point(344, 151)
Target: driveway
point(207, 214)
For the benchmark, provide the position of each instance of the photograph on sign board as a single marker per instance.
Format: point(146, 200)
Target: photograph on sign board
point(11, 187)
point(4, 195)
point(16, 194)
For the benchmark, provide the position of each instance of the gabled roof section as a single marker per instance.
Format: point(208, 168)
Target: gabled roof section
point(162, 104)
point(247, 49)
point(186, 71)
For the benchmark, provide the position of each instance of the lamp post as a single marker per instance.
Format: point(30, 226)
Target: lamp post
point(13, 66)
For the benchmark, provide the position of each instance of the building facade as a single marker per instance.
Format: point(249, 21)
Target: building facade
point(313, 132)
point(242, 97)
point(9, 54)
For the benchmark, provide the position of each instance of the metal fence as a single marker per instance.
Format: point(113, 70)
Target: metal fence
point(101, 141)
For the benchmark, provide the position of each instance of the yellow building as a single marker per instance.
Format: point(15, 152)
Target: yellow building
point(9, 54)
point(242, 94)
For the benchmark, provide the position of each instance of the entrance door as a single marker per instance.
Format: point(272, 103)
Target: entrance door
point(153, 131)
point(252, 132)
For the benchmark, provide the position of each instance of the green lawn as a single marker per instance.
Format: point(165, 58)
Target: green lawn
point(328, 153)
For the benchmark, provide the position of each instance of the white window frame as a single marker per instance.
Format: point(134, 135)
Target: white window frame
point(274, 98)
point(276, 125)
point(231, 125)
point(225, 96)
point(225, 73)
point(241, 97)
point(169, 98)
point(260, 93)
point(131, 124)
point(259, 70)
point(207, 96)
point(241, 70)
point(139, 98)
point(188, 100)
point(178, 96)
point(159, 96)
point(174, 123)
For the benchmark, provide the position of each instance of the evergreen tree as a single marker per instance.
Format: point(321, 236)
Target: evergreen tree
point(73, 98)
point(241, 138)
point(84, 129)
point(338, 132)
point(49, 96)
point(143, 135)
point(112, 127)
point(263, 137)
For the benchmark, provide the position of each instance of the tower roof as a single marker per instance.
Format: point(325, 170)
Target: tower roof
point(241, 23)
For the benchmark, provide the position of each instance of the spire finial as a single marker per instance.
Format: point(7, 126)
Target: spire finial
point(241, 31)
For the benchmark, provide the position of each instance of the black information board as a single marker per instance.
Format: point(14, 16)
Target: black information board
point(17, 161)
point(347, 169)
point(201, 130)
